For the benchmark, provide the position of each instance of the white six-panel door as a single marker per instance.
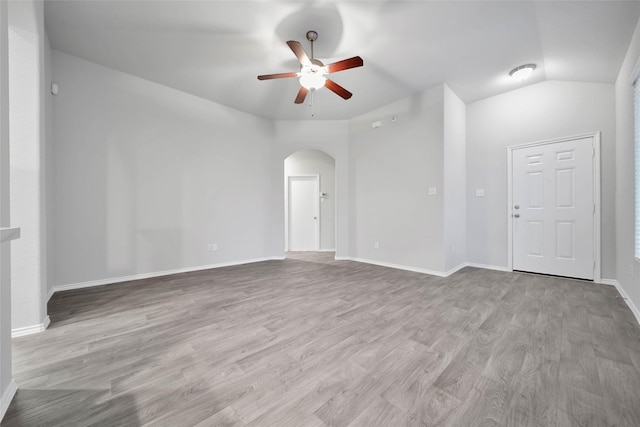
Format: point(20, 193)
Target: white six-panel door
point(553, 208)
point(303, 222)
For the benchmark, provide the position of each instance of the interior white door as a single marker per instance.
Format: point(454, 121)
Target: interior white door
point(303, 213)
point(553, 208)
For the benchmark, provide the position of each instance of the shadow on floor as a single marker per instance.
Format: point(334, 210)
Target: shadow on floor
point(33, 407)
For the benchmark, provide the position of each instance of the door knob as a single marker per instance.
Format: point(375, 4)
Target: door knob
point(315, 217)
point(516, 207)
point(516, 215)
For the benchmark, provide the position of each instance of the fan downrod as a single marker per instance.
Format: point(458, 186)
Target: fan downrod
point(312, 36)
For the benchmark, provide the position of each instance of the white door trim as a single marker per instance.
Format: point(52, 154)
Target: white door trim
point(596, 196)
point(286, 208)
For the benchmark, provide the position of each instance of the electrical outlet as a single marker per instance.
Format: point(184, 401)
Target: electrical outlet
point(376, 245)
point(214, 247)
point(208, 246)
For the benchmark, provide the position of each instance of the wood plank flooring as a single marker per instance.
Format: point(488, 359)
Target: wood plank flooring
point(310, 341)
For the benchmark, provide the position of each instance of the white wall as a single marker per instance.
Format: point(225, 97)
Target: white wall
point(146, 176)
point(27, 57)
point(330, 137)
point(627, 270)
point(455, 181)
point(48, 173)
point(5, 259)
point(538, 112)
point(391, 169)
point(314, 162)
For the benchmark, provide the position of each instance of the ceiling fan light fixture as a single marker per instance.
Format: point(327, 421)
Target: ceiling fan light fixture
point(312, 80)
point(522, 72)
point(312, 71)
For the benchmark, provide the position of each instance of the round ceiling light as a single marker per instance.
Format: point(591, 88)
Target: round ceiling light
point(522, 72)
point(312, 76)
point(312, 81)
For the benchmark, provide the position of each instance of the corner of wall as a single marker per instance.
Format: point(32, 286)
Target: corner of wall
point(27, 50)
point(455, 179)
point(48, 174)
point(627, 269)
point(7, 385)
point(6, 396)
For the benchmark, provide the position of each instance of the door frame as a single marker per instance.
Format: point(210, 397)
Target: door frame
point(596, 196)
point(288, 205)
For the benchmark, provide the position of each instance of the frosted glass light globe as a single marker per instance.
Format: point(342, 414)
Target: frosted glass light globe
point(523, 72)
point(312, 77)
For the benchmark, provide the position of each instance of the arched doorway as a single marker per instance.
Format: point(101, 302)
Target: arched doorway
point(310, 201)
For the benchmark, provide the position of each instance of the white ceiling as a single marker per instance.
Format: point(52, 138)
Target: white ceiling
point(215, 49)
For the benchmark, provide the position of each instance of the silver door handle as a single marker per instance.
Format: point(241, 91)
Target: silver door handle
point(516, 215)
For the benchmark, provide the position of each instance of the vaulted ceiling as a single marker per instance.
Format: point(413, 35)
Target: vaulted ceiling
point(215, 49)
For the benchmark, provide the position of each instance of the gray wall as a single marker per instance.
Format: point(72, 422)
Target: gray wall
point(391, 169)
point(315, 162)
point(146, 177)
point(627, 269)
point(455, 181)
point(5, 259)
point(538, 112)
point(107, 125)
point(28, 47)
point(48, 223)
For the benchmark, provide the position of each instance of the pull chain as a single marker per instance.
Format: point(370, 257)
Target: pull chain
point(311, 103)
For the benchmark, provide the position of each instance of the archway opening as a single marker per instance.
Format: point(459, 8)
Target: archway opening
point(310, 202)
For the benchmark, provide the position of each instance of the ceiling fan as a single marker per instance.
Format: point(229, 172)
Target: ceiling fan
point(312, 71)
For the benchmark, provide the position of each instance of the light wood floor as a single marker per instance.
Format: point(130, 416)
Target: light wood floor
point(312, 342)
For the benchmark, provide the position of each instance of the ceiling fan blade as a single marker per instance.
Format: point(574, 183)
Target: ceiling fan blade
point(302, 94)
point(337, 89)
point(277, 76)
point(298, 50)
point(345, 64)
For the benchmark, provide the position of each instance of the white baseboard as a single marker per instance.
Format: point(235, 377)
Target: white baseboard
point(488, 267)
point(7, 397)
point(624, 296)
point(113, 280)
point(610, 282)
point(455, 269)
point(327, 250)
point(33, 329)
point(404, 267)
point(400, 267)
